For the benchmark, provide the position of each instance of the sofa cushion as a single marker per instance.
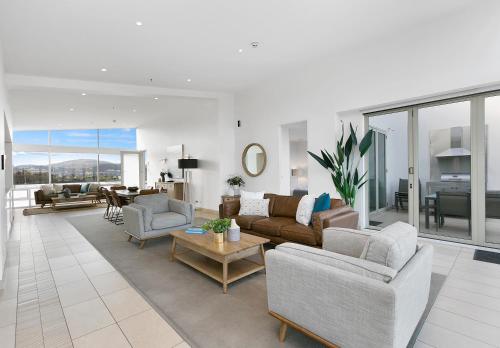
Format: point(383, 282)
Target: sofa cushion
point(246, 221)
point(393, 246)
point(168, 219)
point(157, 202)
point(47, 190)
point(285, 206)
point(347, 263)
point(298, 233)
point(93, 188)
point(74, 188)
point(271, 226)
point(84, 188)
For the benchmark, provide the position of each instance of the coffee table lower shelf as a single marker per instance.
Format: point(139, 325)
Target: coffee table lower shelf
point(235, 270)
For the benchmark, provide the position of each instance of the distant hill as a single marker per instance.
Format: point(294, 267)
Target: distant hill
point(71, 165)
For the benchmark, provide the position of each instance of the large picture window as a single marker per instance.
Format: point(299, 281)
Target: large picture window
point(70, 156)
point(74, 138)
point(73, 167)
point(31, 168)
point(110, 170)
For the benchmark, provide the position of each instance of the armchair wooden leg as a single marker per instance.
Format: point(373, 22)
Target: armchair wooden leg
point(141, 246)
point(129, 238)
point(283, 328)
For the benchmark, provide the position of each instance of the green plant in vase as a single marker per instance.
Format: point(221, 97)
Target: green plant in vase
point(344, 162)
point(235, 182)
point(218, 226)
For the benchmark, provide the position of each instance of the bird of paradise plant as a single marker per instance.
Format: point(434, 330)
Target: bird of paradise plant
point(343, 165)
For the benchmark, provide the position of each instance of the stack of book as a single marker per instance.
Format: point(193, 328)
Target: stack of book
point(195, 230)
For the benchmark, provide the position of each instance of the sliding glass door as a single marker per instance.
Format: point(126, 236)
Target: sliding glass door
point(388, 170)
point(492, 173)
point(439, 169)
point(444, 170)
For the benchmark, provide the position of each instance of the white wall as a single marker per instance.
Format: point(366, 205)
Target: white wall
point(204, 126)
point(4, 190)
point(450, 54)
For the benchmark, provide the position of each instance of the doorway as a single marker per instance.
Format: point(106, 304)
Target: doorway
point(294, 163)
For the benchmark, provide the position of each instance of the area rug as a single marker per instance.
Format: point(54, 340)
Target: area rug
point(48, 209)
point(192, 302)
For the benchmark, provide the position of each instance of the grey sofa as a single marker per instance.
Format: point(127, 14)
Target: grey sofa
point(156, 215)
point(362, 290)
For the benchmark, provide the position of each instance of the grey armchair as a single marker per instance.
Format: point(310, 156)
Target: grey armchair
point(340, 297)
point(156, 215)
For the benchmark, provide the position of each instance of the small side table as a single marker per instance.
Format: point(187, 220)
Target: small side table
point(228, 198)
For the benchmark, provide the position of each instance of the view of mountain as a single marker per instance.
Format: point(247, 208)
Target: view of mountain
point(79, 170)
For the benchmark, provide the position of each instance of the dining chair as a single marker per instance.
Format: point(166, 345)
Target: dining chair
point(119, 203)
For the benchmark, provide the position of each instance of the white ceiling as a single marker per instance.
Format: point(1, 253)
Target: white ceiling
point(196, 39)
point(48, 108)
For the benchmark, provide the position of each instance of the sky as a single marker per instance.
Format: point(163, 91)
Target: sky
point(117, 138)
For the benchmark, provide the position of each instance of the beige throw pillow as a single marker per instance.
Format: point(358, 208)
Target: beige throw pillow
point(250, 206)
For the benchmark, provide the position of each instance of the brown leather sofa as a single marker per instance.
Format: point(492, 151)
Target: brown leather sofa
point(281, 226)
point(43, 199)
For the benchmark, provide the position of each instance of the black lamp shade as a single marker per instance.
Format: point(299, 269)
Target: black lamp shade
point(187, 163)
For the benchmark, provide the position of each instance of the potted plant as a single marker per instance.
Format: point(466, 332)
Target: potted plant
point(236, 182)
point(343, 164)
point(218, 227)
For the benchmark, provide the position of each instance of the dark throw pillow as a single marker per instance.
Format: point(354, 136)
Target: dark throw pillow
point(322, 203)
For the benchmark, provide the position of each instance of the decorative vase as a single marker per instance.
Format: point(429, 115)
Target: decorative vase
point(219, 238)
point(234, 232)
point(236, 190)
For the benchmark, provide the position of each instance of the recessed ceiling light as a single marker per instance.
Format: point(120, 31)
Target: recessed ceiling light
point(255, 44)
point(104, 69)
point(84, 94)
point(72, 109)
point(138, 23)
point(188, 80)
point(240, 50)
point(155, 98)
point(134, 110)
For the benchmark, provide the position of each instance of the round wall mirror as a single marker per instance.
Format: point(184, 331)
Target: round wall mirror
point(254, 159)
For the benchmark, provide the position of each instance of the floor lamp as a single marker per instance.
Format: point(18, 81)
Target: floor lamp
point(187, 164)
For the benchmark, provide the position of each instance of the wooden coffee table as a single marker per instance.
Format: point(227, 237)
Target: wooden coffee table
point(211, 259)
point(74, 201)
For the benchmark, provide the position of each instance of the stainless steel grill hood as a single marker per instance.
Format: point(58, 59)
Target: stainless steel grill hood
point(456, 145)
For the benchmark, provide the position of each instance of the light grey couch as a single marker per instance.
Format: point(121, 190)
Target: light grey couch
point(156, 215)
point(362, 290)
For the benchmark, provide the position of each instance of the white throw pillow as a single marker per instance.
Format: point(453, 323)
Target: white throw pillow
point(251, 195)
point(47, 189)
point(305, 209)
point(250, 206)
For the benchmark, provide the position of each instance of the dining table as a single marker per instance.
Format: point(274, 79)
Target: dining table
point(127, 194)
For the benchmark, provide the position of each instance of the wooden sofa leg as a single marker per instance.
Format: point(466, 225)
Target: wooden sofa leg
point(129, 238)
point(283, 328)
point(141, 246)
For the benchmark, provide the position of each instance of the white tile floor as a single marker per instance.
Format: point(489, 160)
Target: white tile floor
point(60, 292)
